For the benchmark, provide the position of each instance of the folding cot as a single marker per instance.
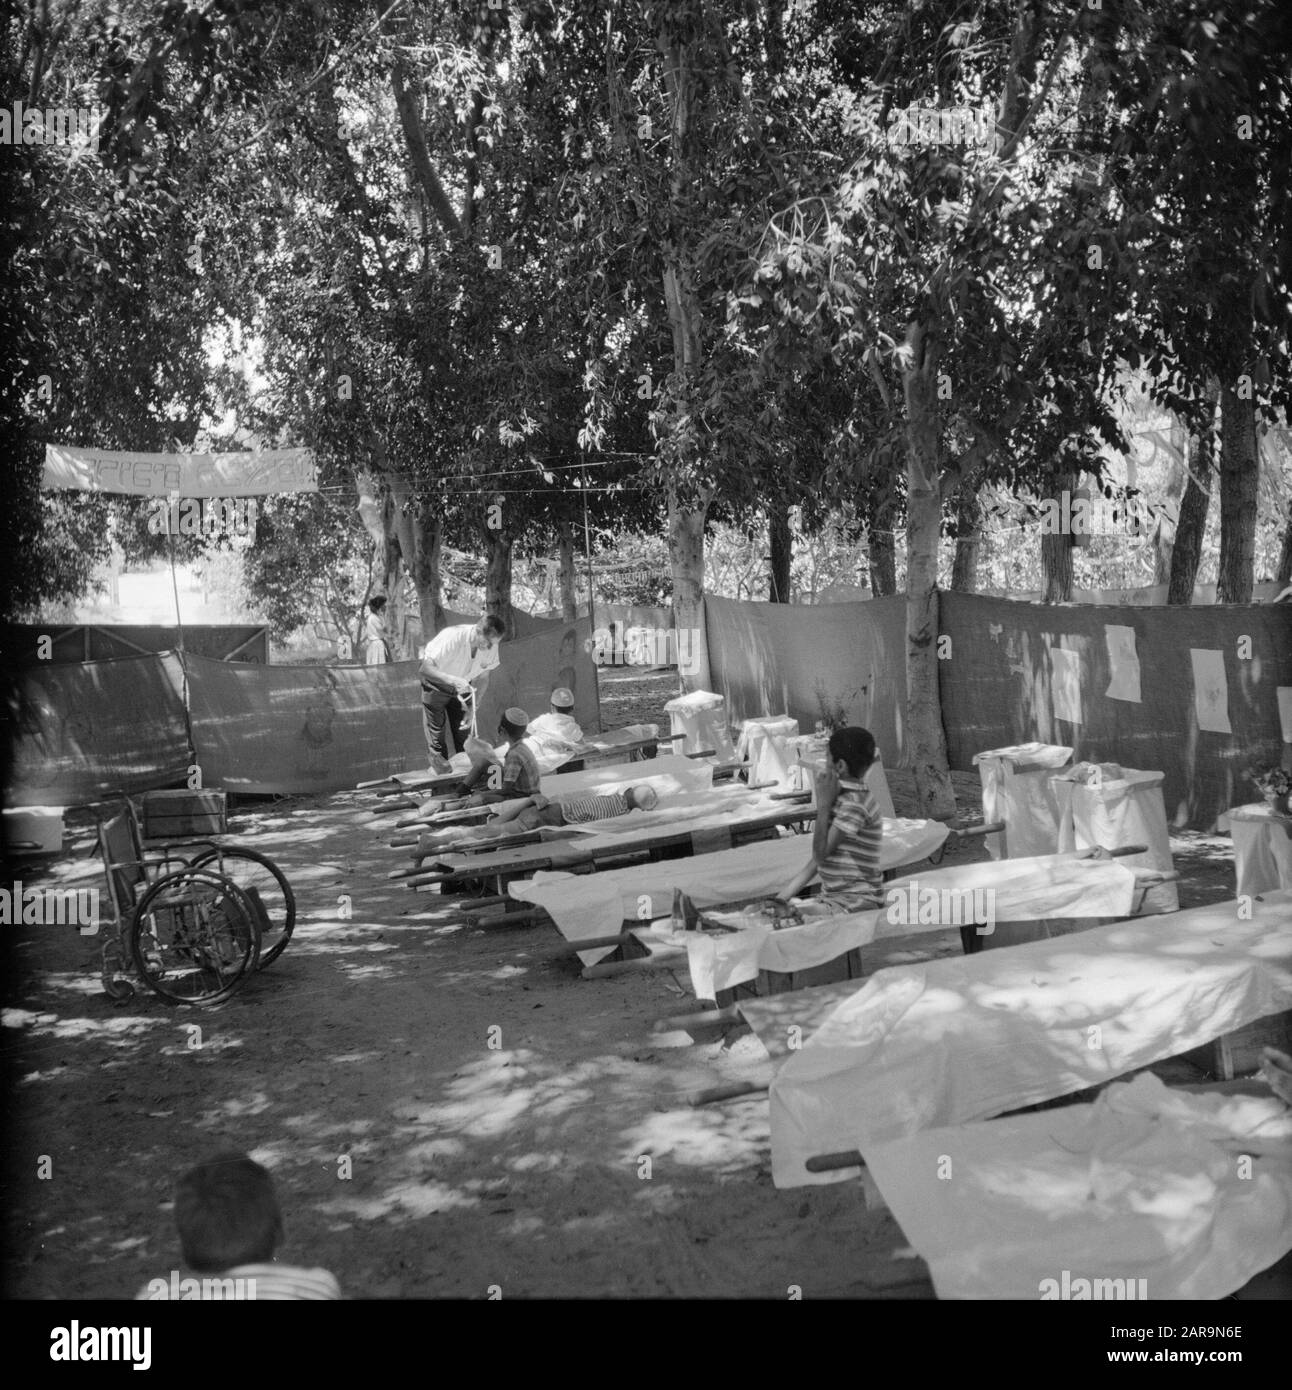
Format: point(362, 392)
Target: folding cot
point(1149, 1192)
point(963, 1039)
point(696, 824)
point(1029, 898)
point(583, 909)
point(669, 777)
point(636, 742)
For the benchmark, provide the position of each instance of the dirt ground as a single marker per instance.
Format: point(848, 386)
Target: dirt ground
point(412, 1159)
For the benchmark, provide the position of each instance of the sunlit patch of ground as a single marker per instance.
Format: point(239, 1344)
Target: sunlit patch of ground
point(446, 1108)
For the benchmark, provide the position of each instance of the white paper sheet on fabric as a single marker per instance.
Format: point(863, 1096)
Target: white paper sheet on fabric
point(1065, 684)
point(1128, 811)
point(587, 905)
point(1142, 1184)
point(965, 1038)
point(1024, 890)
point(1023, 800)
point(1123, 664)
point(1262, 848)
point(1210, 690)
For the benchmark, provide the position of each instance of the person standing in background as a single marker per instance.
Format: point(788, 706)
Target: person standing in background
point(376, 650)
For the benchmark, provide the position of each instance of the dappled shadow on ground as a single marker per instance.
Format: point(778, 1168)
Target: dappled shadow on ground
point(445, 1107)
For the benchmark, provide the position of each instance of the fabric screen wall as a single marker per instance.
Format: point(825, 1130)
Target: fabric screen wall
point(323, 728)
point(88, 730)
point(282, 729)
point(1004, 685)
point(533, 667)
point(775, 658)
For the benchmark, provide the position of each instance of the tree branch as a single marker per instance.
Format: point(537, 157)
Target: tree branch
point(427, 178)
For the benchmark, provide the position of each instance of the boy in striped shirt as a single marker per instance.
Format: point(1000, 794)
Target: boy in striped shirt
point(848, 831)
point(229, 1225)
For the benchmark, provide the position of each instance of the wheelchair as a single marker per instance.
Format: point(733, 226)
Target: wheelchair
point(192, 926)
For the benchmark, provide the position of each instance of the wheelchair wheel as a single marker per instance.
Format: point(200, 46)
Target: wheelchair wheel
point(265, 883)
point(194, 936)
point(112, 971)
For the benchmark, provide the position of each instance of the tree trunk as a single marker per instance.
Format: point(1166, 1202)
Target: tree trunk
point(686, 554)
point(926, 740)
point(420, 530)
point(685, 523)
point(882, 548)
point(1056, 549)
point(565, 541)
point(415, 138)
point(1164, 530)
point(380, 516)
point(782, 554)
point(498, 576)
point(1283, 575)
point(1186, 553)
point(964, 571)
point(1239, 477)
point(426, 528)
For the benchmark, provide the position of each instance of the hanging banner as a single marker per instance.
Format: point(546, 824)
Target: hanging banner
point(251, 473)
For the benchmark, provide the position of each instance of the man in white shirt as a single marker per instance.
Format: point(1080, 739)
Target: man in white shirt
point(557, 735)
point(455, 664)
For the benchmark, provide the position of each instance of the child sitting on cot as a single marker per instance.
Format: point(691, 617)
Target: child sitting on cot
point(520, 773)
point(533, 811)
point(847, 834)
point(229, 1226)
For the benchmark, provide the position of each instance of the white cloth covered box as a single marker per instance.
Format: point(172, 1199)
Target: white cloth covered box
point(1262, 848)
point(1016, 789)
point(765, 745)
point(1126, 811)
point(701, 716)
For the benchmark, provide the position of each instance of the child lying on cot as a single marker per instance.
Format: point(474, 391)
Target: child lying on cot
point(528, 813)
point(847, 834)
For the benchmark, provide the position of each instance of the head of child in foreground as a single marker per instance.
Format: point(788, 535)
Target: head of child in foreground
point(642, 798)
point(227, 1214)
point(852, 750)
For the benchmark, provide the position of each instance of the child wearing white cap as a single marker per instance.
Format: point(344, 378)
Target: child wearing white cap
point(520, 772)
point(556, 737)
